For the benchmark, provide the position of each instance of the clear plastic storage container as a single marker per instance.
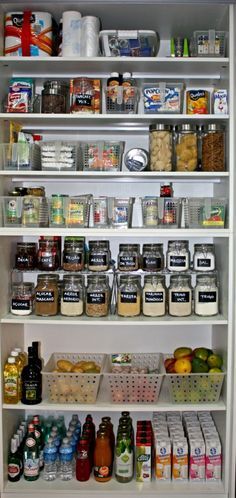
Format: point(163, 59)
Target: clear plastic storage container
point(129, 43)
point(101, 156)
point(59, 156)
point(20, 156)
point(162, 97)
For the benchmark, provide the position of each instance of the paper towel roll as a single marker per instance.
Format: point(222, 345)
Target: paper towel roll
point(89, 36)
point(71, 33)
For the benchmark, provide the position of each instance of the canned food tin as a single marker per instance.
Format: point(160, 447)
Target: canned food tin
point(136, 159)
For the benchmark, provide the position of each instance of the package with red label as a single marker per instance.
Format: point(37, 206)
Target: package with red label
point(28, 34)
point(20, 95)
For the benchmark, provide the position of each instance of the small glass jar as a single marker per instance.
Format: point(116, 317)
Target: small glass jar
point(206, 295)
point(204, 257)
point(72, 296)
point(55, 97)
point(129, 295)
point(22, 298)
point(178, 256)
point(25, 258)
point(186, 148)
point(160, 147)
point(48, 255)
point(129, 257)
point(180, 295)
point(150, 211)
point(73, 255)
point(97, 296)
point(46, 295)
point(153, 257)
point(213, 147)
point(99, 255)
point(154, 295)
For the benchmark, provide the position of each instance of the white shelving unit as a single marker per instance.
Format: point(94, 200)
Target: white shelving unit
point(113, 334)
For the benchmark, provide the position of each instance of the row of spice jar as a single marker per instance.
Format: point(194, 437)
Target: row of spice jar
point(47, 257)
point(72, 298)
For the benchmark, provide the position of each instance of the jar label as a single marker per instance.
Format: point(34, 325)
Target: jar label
point(177, 260)
point(96, 297)
point(46, 260)
point(97, 260)
point(128, 262)
point(20, 304)
point(154, 297)
point(44, 296)
point(31, 390)
point(180, 297)
point(102, 472)
point(22, 260)
point(83, 100)
point(152, 263)
point(203, 262)
point(73, 258)
point(128, 297)
point(207, 297)
point(71, 296)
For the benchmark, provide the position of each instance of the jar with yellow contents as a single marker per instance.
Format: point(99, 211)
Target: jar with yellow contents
point(129, 296)
point(186, 148)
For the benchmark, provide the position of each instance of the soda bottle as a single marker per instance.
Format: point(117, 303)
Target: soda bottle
point(66, 460)
point(50, 458)
point(102, 458)
point(31, 381)
point(124, 457)
point(83, 464)
point(11, 382)
point(31, 456)
point(14, 463)
point(39, 437)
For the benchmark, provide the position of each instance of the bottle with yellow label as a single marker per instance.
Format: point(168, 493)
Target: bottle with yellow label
point(11, 381)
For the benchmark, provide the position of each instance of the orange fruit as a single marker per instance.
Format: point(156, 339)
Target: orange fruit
point(183, 366)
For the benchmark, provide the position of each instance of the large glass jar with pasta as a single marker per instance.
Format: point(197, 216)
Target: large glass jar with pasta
point(160, 147)
point(186, 148)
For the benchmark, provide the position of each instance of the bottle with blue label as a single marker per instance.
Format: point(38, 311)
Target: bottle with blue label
point(50, 456)
point(66, 460)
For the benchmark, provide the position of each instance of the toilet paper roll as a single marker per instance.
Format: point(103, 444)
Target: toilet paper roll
point(28, 33)
point(90, 36)
point(71, 33)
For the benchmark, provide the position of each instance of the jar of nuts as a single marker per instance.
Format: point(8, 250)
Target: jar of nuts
point(186, 148)
point(213, 147)
point(160, 147)
point(97, 296)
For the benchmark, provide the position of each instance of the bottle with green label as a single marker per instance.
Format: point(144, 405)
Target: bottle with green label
point(31, 455)
point(31, 381)
point(124, 456)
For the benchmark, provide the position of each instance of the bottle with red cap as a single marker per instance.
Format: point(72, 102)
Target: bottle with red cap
point(31, 455)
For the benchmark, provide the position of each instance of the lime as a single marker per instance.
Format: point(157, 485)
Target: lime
point(199, 366)
point(201, 353)
point(215, 370)
point(214, 361)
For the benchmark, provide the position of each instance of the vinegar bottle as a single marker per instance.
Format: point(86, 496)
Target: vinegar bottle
point(11, 382)
point(102, 458)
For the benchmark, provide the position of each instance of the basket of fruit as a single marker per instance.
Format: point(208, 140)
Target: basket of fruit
point(73, 377)
point(133, 377)
point(194, 376)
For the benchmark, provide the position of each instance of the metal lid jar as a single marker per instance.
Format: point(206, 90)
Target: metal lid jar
point(72, 296)
point(186, 148)
point(178, 256)
point(160, 147)
point(97, 296)
point(180, 295)
point(213, 147)
point(46, 295)
point(153, 257)
point(154, 295)
point(150, 211)
point(73, 255)
point(22, 298)
point(99, 255)
point(204, 257)
point(25, 258)
point(129, 295)
point(129, 257)
point(55, 97)
point(206, 302)
point(47, 258)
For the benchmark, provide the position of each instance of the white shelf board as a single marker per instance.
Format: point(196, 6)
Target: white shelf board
point(109, 232)
point(114, 320)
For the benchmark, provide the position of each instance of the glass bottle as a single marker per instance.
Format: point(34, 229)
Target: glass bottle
point(154, 295)
point(124, 457)
point(83, 464)
point(97, 296)
point(180, 295)
point(129, 296)
point(73, 255)
point(129, 257)
point(160, 147)
point(37, 359)
point(102, 458)
point(99, 255)
point(11, 382)
point(31, 381)
point(206, 295)
point(186, 148)
point(178, 256)
point(213, 147)
point(72, 298)
point(46, 295)
point(153, 257)
point(39, 438)
point(204, 257)
point(14, 463)
point(31, 456)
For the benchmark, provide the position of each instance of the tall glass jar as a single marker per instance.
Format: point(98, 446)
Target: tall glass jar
point(129, 295)
point(206, 302)
point(129, 257)
point(180, 295)
point(48, 255)
point(55, 97)
point(99, 255)
point(153, 257)
point(22, 298)
point(72, 296)
point(25, 258)
point(213, 147)
point(97, 296)
point(73, 255)
point(204, 257)
point(186, 148)
point(178, 256)
point(154, 295)
point(160, 147)
point(46, 295)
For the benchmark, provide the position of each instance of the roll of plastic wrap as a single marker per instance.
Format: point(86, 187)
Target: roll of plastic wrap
point(28, 33)
point(71, 33)
point(90, 36)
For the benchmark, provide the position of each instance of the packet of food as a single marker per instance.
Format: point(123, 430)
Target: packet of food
point(180, 459)
point(197, 462)
point(163, 459)
point(220, 102)
point(197, 102)
point(143, 460)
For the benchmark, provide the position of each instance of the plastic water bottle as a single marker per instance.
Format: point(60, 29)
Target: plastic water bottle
point(66, 460)
point(50, 457)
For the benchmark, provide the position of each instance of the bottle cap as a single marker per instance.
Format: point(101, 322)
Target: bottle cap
point(11, 360)
point(127, 75)
point(19, 350)
point(115, 74)
point(14, 354)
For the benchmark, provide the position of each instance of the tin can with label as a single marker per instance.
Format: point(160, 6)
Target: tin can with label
point(136, 159)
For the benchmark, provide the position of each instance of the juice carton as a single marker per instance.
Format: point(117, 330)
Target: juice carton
point(197, 459)
point(213, 458)
point(143, 460)
point(180, 459)
point(163, 459)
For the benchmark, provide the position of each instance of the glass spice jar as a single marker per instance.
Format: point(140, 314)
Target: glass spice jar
point(22, 298)
point(97, 296)
point(73, 255)
point(99, 255)
point(180, 295)
point(178, 256)
point(153, 257)
point(213, 147)
point(186, 148)
point(46, 295)
point(26, 255)
point(206, 295)
point(129, 295)
point(160, 147)
point(47, 258)
point(204, 257)
point(129, 257)
point(72, 296)
point(55, 95)
point(154, 295)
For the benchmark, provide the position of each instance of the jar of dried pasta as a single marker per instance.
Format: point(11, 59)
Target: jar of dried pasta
point(129, 295)
point(186, 148)
point(97, 296)
point(213, 147)
point(160, 147)
point(46, 295)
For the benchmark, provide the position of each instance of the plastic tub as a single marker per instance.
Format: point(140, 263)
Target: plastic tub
point(20, 156)
point(129, 43)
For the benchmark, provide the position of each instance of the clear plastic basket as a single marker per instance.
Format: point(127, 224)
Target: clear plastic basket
point(209, 43)
point(162, 97)
point(129, 43)
point(59, 156)
point(72, 387)
point(205, 212)
point(77, 211)
point(161, 212)
point(120, 211)
point(101, 155)
point(122, 100)
point(20, 156)
point(26, 211)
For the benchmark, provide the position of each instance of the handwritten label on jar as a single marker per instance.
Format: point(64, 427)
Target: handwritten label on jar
point(71, 296)
point(44, 296)
point(180, 297)
point(98, 260)
point(20, 304)
point(207, 297)
point(83, 100)
point(96, 297)
point(22, 259)
point(203, 263)
point(177, 260)
point(128, 297)
point(151, 263)
point(73, 258)
point(154, 297)
point(128, 262)
point(46, 260)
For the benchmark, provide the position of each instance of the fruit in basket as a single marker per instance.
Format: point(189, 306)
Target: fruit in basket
point(215, 370)
point(170, 365)
point(183, 366)
point(201, 353)
point(214, 361)
point(199, 366)
point(200, 360)
point(64, 365)
point(183, 352)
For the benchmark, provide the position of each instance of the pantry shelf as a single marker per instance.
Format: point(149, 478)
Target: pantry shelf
point(111, 233)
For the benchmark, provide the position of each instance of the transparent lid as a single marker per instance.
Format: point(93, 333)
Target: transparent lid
point(73, 279)
point(130, 279)
point(178, 245)
point(129, 247)
point(98, 279)
point(153, 247)
point(154, 279)
point(23, 288)
point(48, 277)
point(207, 279)
point(180, 280)
point(204, 248)
point(99, 244)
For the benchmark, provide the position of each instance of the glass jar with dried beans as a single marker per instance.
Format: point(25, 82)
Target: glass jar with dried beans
point(72, 296)
point(46, 295)
point(97, 296)
point(99, 255)
point(73, 254)
point(129, 295)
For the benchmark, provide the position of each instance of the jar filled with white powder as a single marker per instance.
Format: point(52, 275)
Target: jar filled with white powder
point(178, 257)
point(180, 295)
point(204, 257)
point(22, 298)
point(154, 295)
point(206, 295)
point(72, 296)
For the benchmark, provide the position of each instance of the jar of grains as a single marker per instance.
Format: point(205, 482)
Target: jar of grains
point(97, 295)
point(129, 295)
point(47, 257)
point(25, 258)
point(178, 257)
point(153, 257)
point(129, 257)
point(99, 255)
point(55, 97)
point(22, 298)
point(160, 147)
point(186, 148)
point(73, 254)
point(204, 257)
point(72, 296)
point(206, 295)
point(180, 295)
point(154, 295)
point(46, 295)
point(213, 147)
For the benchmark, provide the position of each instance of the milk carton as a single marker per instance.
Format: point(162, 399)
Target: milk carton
point(213, 458)
point(163, 459)
point(180, 459)
point(197, 459)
